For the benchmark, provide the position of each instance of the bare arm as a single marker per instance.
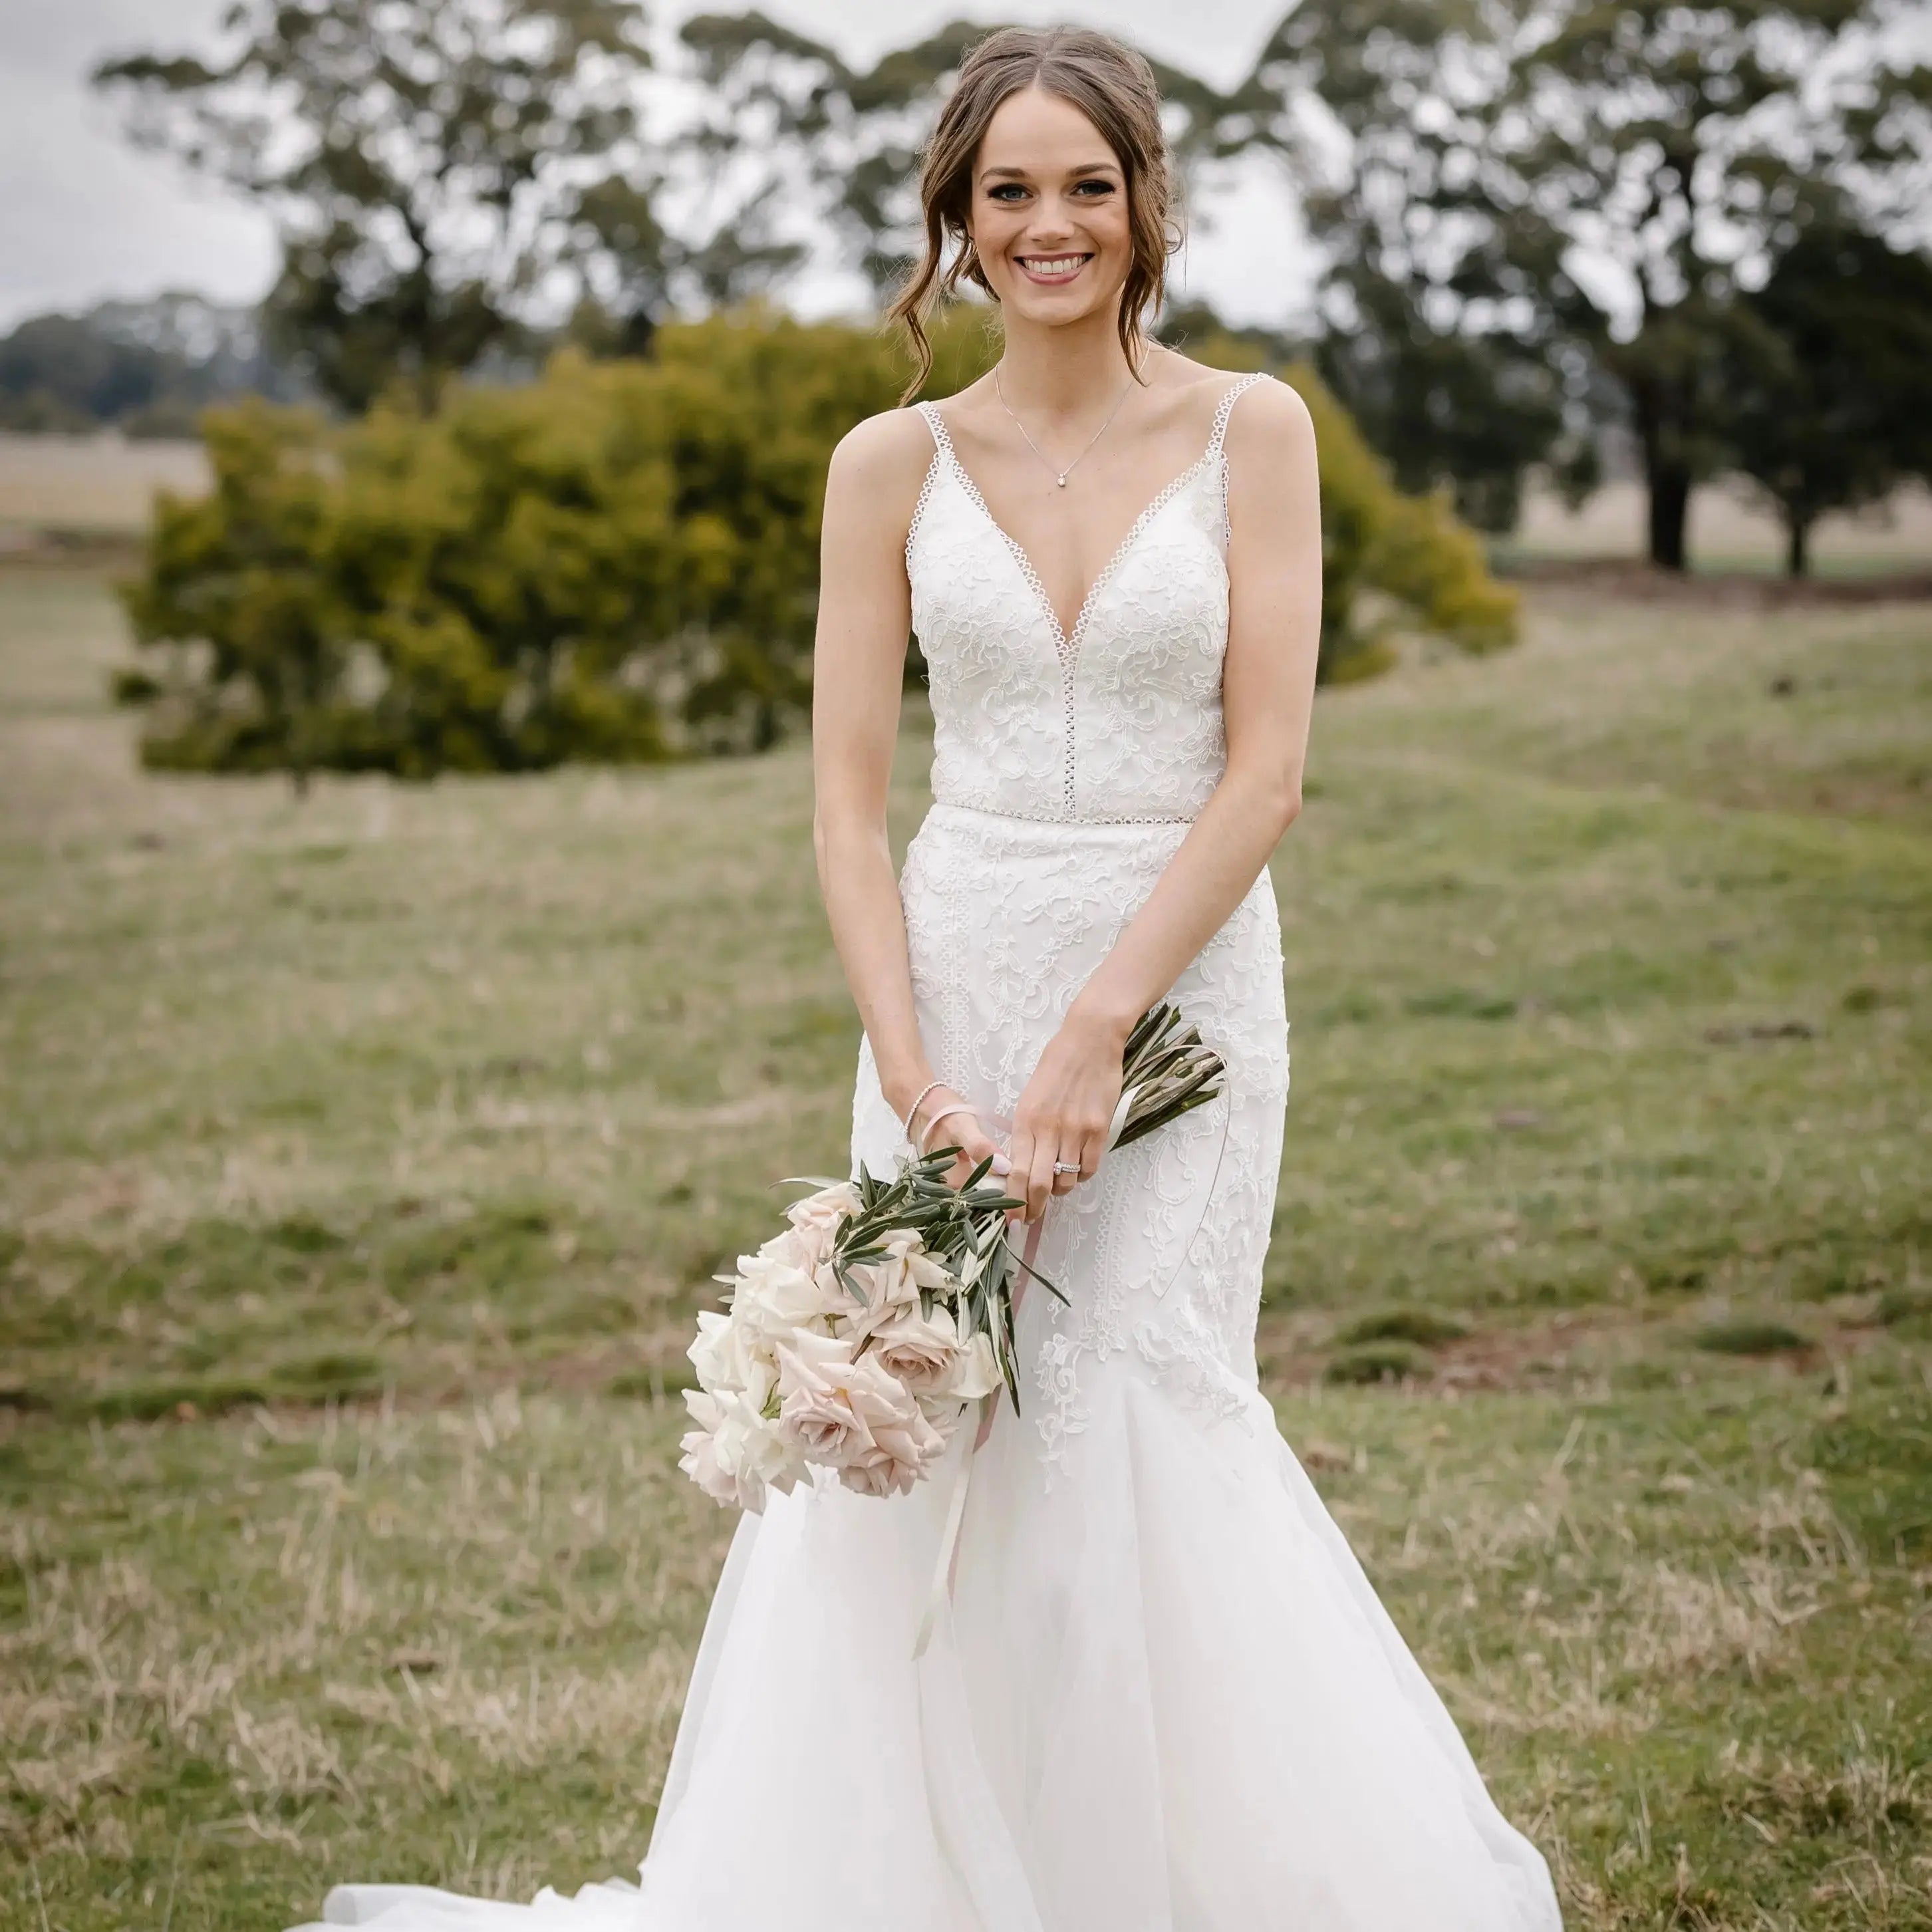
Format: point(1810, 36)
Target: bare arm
point(1274, 571)
point(858, 672)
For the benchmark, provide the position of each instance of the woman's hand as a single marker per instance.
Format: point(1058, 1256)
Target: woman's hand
point(1064, 1114)
point(944, 1120)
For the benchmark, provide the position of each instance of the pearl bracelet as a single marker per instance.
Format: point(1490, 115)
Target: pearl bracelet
point(919, 1101)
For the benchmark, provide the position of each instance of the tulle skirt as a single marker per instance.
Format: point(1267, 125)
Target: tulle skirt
point(1160, 1695)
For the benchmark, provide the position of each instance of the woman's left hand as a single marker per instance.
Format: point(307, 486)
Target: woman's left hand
point(1064, 1114)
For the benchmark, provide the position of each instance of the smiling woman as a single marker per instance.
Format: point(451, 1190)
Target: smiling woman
point(1159, 1695)
point(1090, 147)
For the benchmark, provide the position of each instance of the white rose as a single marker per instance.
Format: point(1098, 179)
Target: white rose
point(815, 1219)
point(797, 1250)
point(895, 1280)
point(774, 1297)
point(733, 1357)
point(735, 1455)
point(916, 1351)
point(975, 1371)
point(852, 1416)
point(896, 1460)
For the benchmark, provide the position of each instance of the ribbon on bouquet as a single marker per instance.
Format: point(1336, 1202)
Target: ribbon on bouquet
point(945, 1566)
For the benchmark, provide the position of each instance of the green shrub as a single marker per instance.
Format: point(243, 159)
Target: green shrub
point(1747, 1335)
point(1422, 1326)
point(616, 562)
point(1906, 1308)
point(1378, 1362)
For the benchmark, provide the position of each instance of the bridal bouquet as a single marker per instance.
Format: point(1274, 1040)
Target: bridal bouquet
point(858, 1335)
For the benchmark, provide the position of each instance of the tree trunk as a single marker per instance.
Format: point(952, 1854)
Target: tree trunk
point(1670, 512)
point(1798, 545)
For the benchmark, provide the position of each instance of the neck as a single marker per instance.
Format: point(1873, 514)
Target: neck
point(1073, 371)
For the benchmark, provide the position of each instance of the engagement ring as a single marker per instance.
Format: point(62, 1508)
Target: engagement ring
point(1066, 1167)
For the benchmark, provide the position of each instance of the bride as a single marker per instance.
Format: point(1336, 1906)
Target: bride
point(1161, 1696)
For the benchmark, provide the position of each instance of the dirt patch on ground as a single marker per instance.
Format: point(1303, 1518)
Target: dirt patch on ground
point(1562, 1351)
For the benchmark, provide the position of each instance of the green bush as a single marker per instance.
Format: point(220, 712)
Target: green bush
point(1421, 1326)
point(1377, 1362)
point(1749, 1335)
point(617, 562)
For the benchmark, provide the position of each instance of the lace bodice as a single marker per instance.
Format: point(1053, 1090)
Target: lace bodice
point(1118, 720)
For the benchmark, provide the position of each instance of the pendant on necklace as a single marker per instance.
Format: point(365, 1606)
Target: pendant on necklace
point(1061, 480)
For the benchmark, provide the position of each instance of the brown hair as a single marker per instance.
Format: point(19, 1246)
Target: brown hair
point(1114, 88)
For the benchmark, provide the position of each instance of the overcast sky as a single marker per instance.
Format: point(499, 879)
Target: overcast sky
point(84, 215)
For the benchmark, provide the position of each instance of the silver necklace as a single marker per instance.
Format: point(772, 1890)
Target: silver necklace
point(1060, 476)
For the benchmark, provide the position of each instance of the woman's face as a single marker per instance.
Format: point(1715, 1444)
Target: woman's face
point(1048, 215)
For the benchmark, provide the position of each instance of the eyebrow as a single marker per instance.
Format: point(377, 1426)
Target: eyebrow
point(1108, 167)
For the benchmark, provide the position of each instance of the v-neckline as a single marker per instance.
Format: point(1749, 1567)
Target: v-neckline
point(1066, 642)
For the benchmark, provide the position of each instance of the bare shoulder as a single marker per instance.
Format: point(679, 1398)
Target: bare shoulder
point(893, 446)
point(873, 483)
point(1267, 417)
point(1270, 420)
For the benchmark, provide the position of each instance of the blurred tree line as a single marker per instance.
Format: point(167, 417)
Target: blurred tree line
point(149, 368)
point(1536, 217)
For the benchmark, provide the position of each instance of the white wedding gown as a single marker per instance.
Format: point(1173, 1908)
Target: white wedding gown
point(1163, 1697)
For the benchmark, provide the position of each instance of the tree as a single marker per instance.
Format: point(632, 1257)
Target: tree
point(61, 373)
point(1517, 197)
point(437, 169)
point(148, 366)
point(1657, 154)
point(1437, 329)
point(1451, 404)
point(1827, 381)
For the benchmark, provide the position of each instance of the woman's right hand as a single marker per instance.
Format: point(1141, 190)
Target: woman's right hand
point(945, 1119)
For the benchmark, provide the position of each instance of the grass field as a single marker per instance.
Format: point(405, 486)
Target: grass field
point(365, 1156)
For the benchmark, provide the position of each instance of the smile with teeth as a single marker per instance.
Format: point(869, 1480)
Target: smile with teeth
point(1053, 268)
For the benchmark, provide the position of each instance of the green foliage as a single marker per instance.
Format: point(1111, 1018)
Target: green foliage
point(1377, 1362)
point(148, 366)
point(1424, 1327)
point(618, 561)
point(1386, 558)
point(1749, 1335)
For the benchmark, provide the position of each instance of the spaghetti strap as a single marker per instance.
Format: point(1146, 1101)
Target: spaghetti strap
point(942, 438)
point(1229, 396)
point(1214, 457)
point(943, 459)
